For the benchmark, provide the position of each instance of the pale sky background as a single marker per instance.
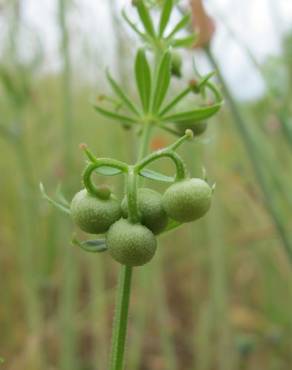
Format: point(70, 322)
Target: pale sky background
point(259, 23)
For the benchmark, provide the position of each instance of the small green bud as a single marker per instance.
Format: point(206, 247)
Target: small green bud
point(198, 128)
point(194, 86)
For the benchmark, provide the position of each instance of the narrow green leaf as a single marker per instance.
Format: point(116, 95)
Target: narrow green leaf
point(194, 115)
point(175, 101)
point(162, 81)
point(157, 176)
point(61, 197)
point(91, 246)
point(180, 25)
point(120, 93)
point(165, 15)
point(133, 25)
point(55, 203)
point(143, 78)
point(170, 130)
point(108, 171)
point(113, 115)
point(145, 18)
point(185, 42)
point(205, 79)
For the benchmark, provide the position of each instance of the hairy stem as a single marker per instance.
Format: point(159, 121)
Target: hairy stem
point(121, 318)
point(132, 195)
point(145, 140)
point(124, 286)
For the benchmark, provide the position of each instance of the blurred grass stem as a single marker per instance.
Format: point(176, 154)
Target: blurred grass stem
point(69, 291)
point(253, 154)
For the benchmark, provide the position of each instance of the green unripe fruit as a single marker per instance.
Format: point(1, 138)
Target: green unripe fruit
point(130, 244)
point(187, 200)
point(150, 209)
point(198, 128)
point(94, 215)
point(176, 64)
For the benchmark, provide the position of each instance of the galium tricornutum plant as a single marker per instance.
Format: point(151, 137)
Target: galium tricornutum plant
point(130, 227)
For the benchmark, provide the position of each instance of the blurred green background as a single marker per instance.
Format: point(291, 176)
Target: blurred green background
point(218, 295)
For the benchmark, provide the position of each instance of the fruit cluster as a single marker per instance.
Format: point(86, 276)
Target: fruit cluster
point(132, 225)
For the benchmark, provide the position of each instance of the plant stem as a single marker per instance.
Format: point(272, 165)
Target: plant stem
point(252, 151)
point(124, 289)
point(121, 318)
point(145, 140)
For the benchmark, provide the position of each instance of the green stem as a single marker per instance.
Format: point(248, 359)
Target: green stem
point(101, 191)
point(181, 172)
point(121, 318)
point(132, 195)
point(147, 129)
point(169, 152)
point(252, 151)
point(125, 279)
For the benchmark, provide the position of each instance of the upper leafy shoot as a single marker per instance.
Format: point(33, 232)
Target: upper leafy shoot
point(157, 38)
point(153, 83)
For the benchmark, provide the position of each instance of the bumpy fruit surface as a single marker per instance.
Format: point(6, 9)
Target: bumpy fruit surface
point(130, 244)
point(94, 215)
point(198, 128)
point(152, 213)
point(187, 200)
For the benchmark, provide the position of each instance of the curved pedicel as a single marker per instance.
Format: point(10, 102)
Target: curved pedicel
point(102, 192)
point(169, 152)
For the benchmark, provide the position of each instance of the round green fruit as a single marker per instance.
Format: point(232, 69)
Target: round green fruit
point(130, 244)
point(94, 215)
point(187, 200)
point(198, 128)
point(150, 208)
